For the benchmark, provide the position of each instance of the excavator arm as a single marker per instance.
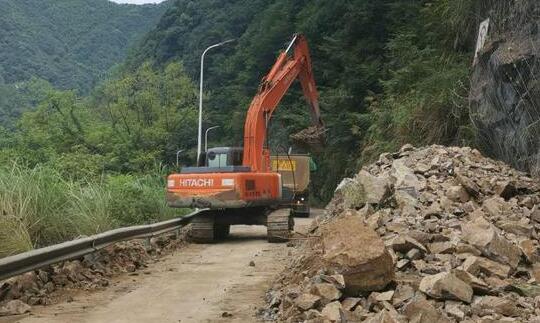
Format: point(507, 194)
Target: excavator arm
point(288, 67)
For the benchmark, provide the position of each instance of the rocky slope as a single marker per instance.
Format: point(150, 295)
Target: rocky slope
point(505, 93)
point(433, 234)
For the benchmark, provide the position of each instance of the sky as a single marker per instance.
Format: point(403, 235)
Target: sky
point(137, 1)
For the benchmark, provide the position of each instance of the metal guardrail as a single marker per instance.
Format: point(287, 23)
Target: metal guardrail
point(39, 258)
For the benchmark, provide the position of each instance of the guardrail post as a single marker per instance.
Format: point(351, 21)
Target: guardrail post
point(147, 244)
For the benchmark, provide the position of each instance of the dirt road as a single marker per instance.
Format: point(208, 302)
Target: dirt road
point(199, 283)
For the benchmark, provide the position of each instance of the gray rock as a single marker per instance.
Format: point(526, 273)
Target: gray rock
point(485, 305)
point(376, 188)
point(327, 292)
point(476, 265)
point(307, 301)
point(457, 194)
point(446, 286)
point(364, 262)
point(333, 312)
point(14, 307)
point(483, 235)
point(421, 311)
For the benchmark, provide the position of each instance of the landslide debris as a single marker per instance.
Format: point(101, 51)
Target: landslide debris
point(94, 271)
point(433, 234)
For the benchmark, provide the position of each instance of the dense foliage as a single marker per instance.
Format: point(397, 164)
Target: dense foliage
point(388, 71)
point(132, 124)
point(83, 165)
point(71, 44)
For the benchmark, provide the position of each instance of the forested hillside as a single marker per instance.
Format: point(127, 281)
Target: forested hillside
point(388, 71)
point(71, 44)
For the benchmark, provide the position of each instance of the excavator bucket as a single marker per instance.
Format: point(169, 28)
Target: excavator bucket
point(312, 138)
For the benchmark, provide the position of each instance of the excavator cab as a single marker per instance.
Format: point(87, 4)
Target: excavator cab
point(221, 157)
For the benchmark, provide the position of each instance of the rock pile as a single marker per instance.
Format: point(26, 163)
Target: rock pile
point(461, 231)
point(93, 271)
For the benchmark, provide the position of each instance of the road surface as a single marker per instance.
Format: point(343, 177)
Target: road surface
point(198, 283)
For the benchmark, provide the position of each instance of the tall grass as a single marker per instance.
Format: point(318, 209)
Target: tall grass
point(38, 207)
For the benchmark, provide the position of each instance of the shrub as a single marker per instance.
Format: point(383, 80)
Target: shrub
point(39, 207)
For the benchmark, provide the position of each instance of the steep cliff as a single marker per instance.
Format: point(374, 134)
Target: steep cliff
point(505, 91)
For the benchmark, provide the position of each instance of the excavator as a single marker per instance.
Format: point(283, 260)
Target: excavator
point(236, 185)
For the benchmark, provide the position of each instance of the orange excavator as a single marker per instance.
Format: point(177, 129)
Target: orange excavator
point(236, 185)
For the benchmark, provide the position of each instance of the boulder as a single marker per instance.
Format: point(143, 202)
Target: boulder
point(446, 286)
point(333, 312)
point(476, 265)
point(484, 236)
point(337, 280)
point(362, 258)
point(495, 206)
point(469, 185)
point(376, 188)
point(327, 292)
point(307, 301)
point(383, 316)
point(376, 297)
point(476, 283)
point(349, 303)
point(442, 247)
point(485, 305)
point(454, 309)
point(14, 307)
point(535, 213)
point(529, 248)
point(421, 311)
point(402, 294)
point(405, 243)
point(516, 227)
point(457, 194)
point(403, 176)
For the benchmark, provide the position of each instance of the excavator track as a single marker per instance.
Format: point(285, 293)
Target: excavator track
point(279, 226)
point(205, 228)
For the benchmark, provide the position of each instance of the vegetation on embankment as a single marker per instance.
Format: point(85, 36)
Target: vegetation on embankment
point(78, 166)
point(39, 207)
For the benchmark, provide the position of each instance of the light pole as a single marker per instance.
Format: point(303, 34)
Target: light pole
point(206, 137)
point(199, 137)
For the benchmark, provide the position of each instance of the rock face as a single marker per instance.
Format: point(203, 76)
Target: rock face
point(363, 261)
point(457, 233)
point(505, 93)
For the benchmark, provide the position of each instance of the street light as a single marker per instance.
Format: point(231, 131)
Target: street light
point(206, 137)
point(199, 137)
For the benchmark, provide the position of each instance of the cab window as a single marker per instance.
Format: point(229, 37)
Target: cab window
point(217, 160)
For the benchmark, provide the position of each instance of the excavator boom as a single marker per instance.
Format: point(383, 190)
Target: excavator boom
point(272, 89)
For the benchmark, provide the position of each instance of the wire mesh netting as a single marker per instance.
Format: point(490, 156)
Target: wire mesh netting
point(505, 91)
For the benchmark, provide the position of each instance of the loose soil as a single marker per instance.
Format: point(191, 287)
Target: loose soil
point(198, 283)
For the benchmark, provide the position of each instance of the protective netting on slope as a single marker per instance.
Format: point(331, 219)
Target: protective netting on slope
point(505, 91)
